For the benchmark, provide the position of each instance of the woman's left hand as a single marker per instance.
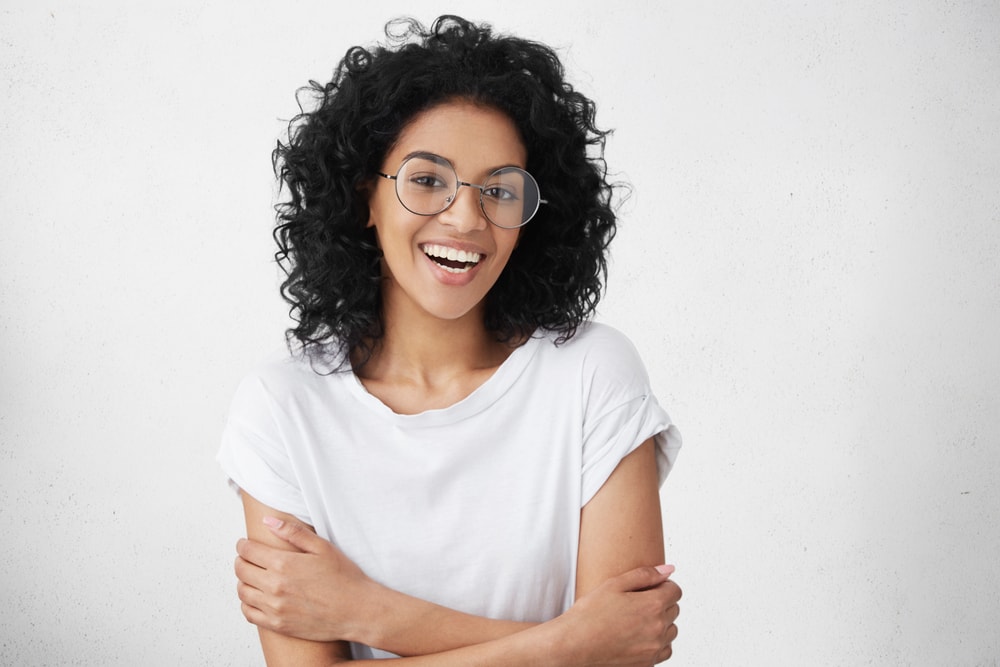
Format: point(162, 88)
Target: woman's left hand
point(312, 593)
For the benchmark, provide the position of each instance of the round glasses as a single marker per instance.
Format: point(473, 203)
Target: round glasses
point(427, 184)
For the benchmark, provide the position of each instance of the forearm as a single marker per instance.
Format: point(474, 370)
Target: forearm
point(408, 626)
point(627, 621)
point(624, 621)
point(317, 594)
point(542, 644)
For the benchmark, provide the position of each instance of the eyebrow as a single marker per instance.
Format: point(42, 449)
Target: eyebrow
point(435, 157)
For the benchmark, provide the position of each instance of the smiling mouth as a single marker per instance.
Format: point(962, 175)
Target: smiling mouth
point(450, 259)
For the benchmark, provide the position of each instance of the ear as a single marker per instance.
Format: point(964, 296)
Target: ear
point(365, 190)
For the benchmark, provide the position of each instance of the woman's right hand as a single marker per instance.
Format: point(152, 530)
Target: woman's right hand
point(311, 593)
point(627, 621)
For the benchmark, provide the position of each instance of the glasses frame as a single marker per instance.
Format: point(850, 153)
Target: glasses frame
point(459, 183)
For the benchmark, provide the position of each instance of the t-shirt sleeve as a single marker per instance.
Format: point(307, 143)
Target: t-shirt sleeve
point(620, 413)
point(254, 454)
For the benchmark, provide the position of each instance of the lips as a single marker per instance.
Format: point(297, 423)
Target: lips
point(451, 260)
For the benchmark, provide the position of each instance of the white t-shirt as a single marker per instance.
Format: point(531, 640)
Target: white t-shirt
point(476, 506)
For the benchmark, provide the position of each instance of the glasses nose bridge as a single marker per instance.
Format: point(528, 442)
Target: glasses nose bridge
point(477, 201)
point(459, 184)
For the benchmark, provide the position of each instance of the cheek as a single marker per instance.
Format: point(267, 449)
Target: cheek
point(382, 203)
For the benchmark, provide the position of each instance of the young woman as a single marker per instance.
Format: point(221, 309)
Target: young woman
point(455, 466)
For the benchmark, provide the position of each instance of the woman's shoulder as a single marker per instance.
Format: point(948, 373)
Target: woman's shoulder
point(288, 376)
point(596, 348)
point(592, 339)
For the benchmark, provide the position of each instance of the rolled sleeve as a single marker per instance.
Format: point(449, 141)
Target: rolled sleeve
point(620, 432)
point(253, 454)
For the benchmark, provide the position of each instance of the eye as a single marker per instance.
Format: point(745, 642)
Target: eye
point(500, 193)
point(428, 181)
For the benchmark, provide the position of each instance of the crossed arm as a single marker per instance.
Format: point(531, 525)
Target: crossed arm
point(307, 599)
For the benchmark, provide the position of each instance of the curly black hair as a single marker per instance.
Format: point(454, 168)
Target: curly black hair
point(553, 280)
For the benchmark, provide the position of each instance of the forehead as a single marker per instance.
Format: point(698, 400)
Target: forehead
point(472, 137)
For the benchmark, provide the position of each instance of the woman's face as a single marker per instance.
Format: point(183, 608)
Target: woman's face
point(477, 141)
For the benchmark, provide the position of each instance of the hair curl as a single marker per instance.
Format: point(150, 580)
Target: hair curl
point(553, 280)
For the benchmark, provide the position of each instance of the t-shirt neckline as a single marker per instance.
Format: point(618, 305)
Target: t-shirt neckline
point(481, 398)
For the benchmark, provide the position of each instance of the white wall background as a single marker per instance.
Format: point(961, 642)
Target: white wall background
point(809, 265)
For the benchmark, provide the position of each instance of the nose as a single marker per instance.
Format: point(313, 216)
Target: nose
point(464, 213)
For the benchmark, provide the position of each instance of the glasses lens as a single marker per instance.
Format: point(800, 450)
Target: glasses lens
point(426, 185)
point(510, 197)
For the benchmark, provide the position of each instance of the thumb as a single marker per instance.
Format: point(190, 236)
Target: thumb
point(642, 578)
point(295, 533)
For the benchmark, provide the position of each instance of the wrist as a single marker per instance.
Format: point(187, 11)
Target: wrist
point(557, 641)
point(370, 614)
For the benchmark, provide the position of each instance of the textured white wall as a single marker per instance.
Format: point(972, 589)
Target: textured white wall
point(809, 265)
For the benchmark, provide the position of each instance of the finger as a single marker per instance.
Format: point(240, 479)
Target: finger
point(297, 534)
point(261, 555)
point(256, 609)
point(642, 578)
point(249, 573)
point(668, 650)
point(669, 593)
point(675, 591)
point(665, 569)
point(673, 613)
point(255, 616)
point(672, 633)
point(251, 596)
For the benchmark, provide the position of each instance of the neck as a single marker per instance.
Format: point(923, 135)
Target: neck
point(420, 349)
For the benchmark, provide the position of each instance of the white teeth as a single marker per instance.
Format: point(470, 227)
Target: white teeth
point(444, 252)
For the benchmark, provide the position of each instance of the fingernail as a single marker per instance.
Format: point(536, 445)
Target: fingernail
point(273, 522)
point(665, 569)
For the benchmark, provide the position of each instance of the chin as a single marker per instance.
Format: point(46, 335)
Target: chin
point(449, 310)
